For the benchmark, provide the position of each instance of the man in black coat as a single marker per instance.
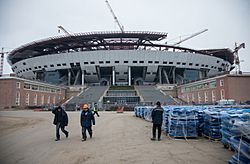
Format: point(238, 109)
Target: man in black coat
point(60, 120)
point(157, 117)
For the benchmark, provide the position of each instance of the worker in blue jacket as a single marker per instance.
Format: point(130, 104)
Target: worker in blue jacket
point(157, 117)
point(87, 118)
point(60, 120)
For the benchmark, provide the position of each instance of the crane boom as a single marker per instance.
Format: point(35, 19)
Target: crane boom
point(115, 17)
point(187, 38)
point(236, 57)
point(63, 29)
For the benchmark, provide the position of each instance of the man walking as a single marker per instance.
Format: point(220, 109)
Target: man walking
point(87, 118)
point(157, 115)
point(60, 120)
point(95, 110)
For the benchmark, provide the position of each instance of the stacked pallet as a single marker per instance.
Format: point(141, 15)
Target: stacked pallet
point(182, 122)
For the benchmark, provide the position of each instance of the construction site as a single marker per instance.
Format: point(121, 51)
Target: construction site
point(204, 95)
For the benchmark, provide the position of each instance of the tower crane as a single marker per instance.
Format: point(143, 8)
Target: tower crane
point(236, 57)
point(2, 61)
point(115, 17)
point(63, 29)
point(189, 37)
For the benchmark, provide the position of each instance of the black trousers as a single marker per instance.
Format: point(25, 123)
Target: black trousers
point(58, 126)
point(95, 112)
point(157, 126)
point(84, 135)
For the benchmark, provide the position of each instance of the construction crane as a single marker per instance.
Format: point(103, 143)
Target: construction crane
point(236, 57)
point(63, 29)
point(2, 61)
point(115, 17)
point(187, 38)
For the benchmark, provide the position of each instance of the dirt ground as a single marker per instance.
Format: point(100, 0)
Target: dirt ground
point(27, 137)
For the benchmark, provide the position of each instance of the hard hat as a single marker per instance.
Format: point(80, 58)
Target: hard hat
point(85, 106)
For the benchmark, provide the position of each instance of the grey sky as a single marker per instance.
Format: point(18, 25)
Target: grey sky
point(227, 21)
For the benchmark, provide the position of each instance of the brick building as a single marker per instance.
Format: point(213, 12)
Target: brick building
point(18, 92)
point(209, 91)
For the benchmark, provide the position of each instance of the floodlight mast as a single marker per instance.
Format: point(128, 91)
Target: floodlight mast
point(115, 17)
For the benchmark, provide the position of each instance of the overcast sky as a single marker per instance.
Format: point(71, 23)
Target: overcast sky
point(227, 21)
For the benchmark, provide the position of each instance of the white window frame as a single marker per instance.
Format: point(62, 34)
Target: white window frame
point(54, 100)
point(222, 94)
point(199, 98)
point(48, 100)
point(206, 96)
point(222, 82)
point(193, 97)
point(213, 96)
point(42, 100)
point(35, 99)
point(27, 99)
point(17, 98)
point(18, 85)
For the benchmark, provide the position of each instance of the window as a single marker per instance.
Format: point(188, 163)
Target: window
point(221, 83)
point(116, 61)
point(52, 65)
point(148, 73)
point(45, 66)
point(78, 64)
point(134, 61)
point(199, 98)
point(193, 97)
point(178, 63)
point(17, 98)
point(58, 65)
point(188, 98)
point(206, 97)
point(141, 62)
point(222, 94)
point(27, 99)
point(183, 63)
point(64, 64)
point(35, 99)
point(107, 61)
point(197, 65)
point(48, 101)
point(218, 61)
point(100, 62)
point(26, 86)
point(125, 73)
point(156, 62)
point(165, 62)
point(18, 85)
point(92, 62)
point(86, 63)
point(24, 63)
point(206, 65)
point(213, 96)
point(54, 100)
point(170, 62)
point(39, 66)
point(150, 61)
point(34, 87)
point(42, 100)
point(202, 65)
point(125, 61)
point(190, 64)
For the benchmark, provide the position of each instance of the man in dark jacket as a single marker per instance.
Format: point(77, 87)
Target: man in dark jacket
point(60, 120)
point(157, 117)
point(87, 118)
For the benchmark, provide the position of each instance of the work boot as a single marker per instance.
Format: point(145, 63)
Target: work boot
point(83, 140)
point(67, 134)
point(153, 139)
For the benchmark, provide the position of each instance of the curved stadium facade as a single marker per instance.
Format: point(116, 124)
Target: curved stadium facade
point(116, 58)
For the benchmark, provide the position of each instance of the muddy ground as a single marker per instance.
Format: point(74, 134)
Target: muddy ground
point(27, 137)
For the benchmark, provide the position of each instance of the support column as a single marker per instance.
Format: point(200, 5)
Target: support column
point(69, 77)
point(129, 76)
point(113, 75)
point(160, 80)
point(83, 77)
point(173, 74)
